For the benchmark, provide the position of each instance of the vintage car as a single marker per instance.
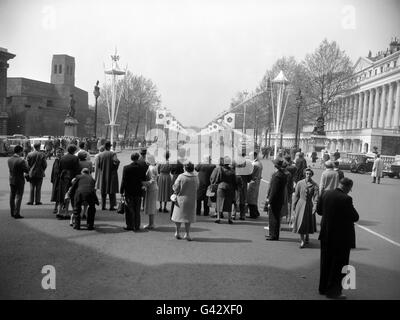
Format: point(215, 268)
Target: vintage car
point(361, 163)
point(393, 169)
point(345, 163)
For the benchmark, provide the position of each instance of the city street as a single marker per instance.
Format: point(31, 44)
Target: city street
point(223, 262)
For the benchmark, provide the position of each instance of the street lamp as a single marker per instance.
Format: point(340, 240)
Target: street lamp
point(245, 93)
point(281, 82)
point(96, 93)
point(299, 102)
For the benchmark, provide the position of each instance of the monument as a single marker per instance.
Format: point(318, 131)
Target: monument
point(70, 123)
point(318, 136)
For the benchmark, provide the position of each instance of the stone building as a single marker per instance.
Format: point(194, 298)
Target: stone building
point(368, 115)
point(37, 108)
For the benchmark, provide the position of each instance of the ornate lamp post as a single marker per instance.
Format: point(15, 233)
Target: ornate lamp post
point(96, 94)
point(280, 82)
point(299, 102)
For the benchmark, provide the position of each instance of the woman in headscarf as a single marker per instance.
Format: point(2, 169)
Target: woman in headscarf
point(304, 207)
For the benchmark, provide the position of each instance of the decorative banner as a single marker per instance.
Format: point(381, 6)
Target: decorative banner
point(229, 119)
point(168, 122)
point(161, 115)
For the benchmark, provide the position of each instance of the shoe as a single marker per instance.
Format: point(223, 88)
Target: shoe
point(165, 210)
point(271, 239)
point(177, 236)
point(217, 221)
point(221, 216)
point(77, 228)
point(55, 211)
point(149, 227)
point(230, 221)
point(159, 210)
point(188, 238)
point(90, 228)
point(112, 209)
point(302, 245)
point(336, 297)
point(38, 203)
point(128, 229)
point(29, 203)
point(18, 217)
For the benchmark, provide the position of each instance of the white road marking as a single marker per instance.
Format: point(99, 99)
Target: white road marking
point(379, 235)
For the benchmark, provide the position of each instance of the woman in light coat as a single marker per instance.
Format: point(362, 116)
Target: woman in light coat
point(150, 204)
point(185, 188)
point(304, 207)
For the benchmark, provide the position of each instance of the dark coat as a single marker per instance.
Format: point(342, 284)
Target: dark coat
point(17, 166)
point(55, 180)
point(69, 169)
point(204, 175)
point(132, 177)
point(37, 164)
point(301, 165)
point(83, 189)
point(276, 191)
point(108, 164)
point(338, 217)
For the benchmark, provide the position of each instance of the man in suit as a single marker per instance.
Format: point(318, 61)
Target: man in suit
point(336, 168)
point(275, 200)
point(17, 167)
point(131, 187)
point(329, 178)
point(83, 190)
point(337, 236)
point(107, 165)
point(204, 169)
point(37, 165)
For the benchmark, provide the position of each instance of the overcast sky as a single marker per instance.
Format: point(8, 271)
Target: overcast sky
point(198, 53)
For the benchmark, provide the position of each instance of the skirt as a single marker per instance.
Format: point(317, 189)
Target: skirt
point(164, 187)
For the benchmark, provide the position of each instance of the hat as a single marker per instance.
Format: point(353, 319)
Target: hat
point(85, 170)
point(227, 160)
point(278, 163)
point(329, 164)
point(143, 151)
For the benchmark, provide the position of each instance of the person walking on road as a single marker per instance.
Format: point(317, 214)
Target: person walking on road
point(133, 176)
point(37, 165)
point(377, 169)
point(275, 200)
point(329, 178)
point(185, 188)
point(337, 237)
point(204, 173)
point(108, 164)
point(150, 199)
point(17, 167)
point(304, 208)
point(254, 186)
point(336, 168)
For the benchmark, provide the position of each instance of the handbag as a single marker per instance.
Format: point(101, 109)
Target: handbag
point(121, 206)
point(211, 190)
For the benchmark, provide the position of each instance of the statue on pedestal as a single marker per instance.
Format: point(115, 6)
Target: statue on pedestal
point(319, 126)
point(71, 110)
point(70, 122)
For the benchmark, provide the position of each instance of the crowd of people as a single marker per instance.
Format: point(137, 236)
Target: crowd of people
point(231, 187)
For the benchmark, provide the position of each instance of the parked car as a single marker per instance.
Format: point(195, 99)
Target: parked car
point(345, 163)
point(393, 169)
point(362, 163)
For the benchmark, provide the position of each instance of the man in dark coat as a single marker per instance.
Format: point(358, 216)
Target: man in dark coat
point(131, 188)
point(83, 191)
point(337, 236)
point(17, 167)
point(108, 164)
point(275, 200)
point(69, 168)
point(37, 165)
point(204, 169)
point(301, 165)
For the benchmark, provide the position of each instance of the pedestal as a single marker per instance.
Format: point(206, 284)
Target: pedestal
point(71, 127)
point(319, 142)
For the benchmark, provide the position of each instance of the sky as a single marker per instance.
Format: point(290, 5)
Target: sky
point(199, 54)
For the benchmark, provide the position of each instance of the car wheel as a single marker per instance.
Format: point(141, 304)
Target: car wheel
point(361, 170)
point(391, 175)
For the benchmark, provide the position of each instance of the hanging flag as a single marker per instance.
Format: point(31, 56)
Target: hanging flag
point(161, 115)
point(168, 122)
point(229, 119)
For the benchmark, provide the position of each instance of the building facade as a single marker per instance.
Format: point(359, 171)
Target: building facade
point(37, 108)
point(368, 115)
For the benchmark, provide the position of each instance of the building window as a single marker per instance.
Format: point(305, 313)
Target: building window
point(381, 69)
point(394, 64)
point(376, 71)
point(55, 68)
point(59, 68)
point(49, 103)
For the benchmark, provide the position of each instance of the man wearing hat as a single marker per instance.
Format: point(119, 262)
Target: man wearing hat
point(37, 165)
point(275, 200)
point(329, 178)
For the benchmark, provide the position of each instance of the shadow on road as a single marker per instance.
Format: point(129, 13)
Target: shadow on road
point(221, 240)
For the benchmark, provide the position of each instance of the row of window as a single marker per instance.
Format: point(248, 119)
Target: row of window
point(58, 69)
point(375, 72)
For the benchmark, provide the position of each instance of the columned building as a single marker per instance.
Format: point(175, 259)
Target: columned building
point(368, 115)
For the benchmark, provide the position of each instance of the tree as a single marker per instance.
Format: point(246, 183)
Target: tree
point(328, 74)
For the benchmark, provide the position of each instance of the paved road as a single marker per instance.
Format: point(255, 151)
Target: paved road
point(223, 262)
